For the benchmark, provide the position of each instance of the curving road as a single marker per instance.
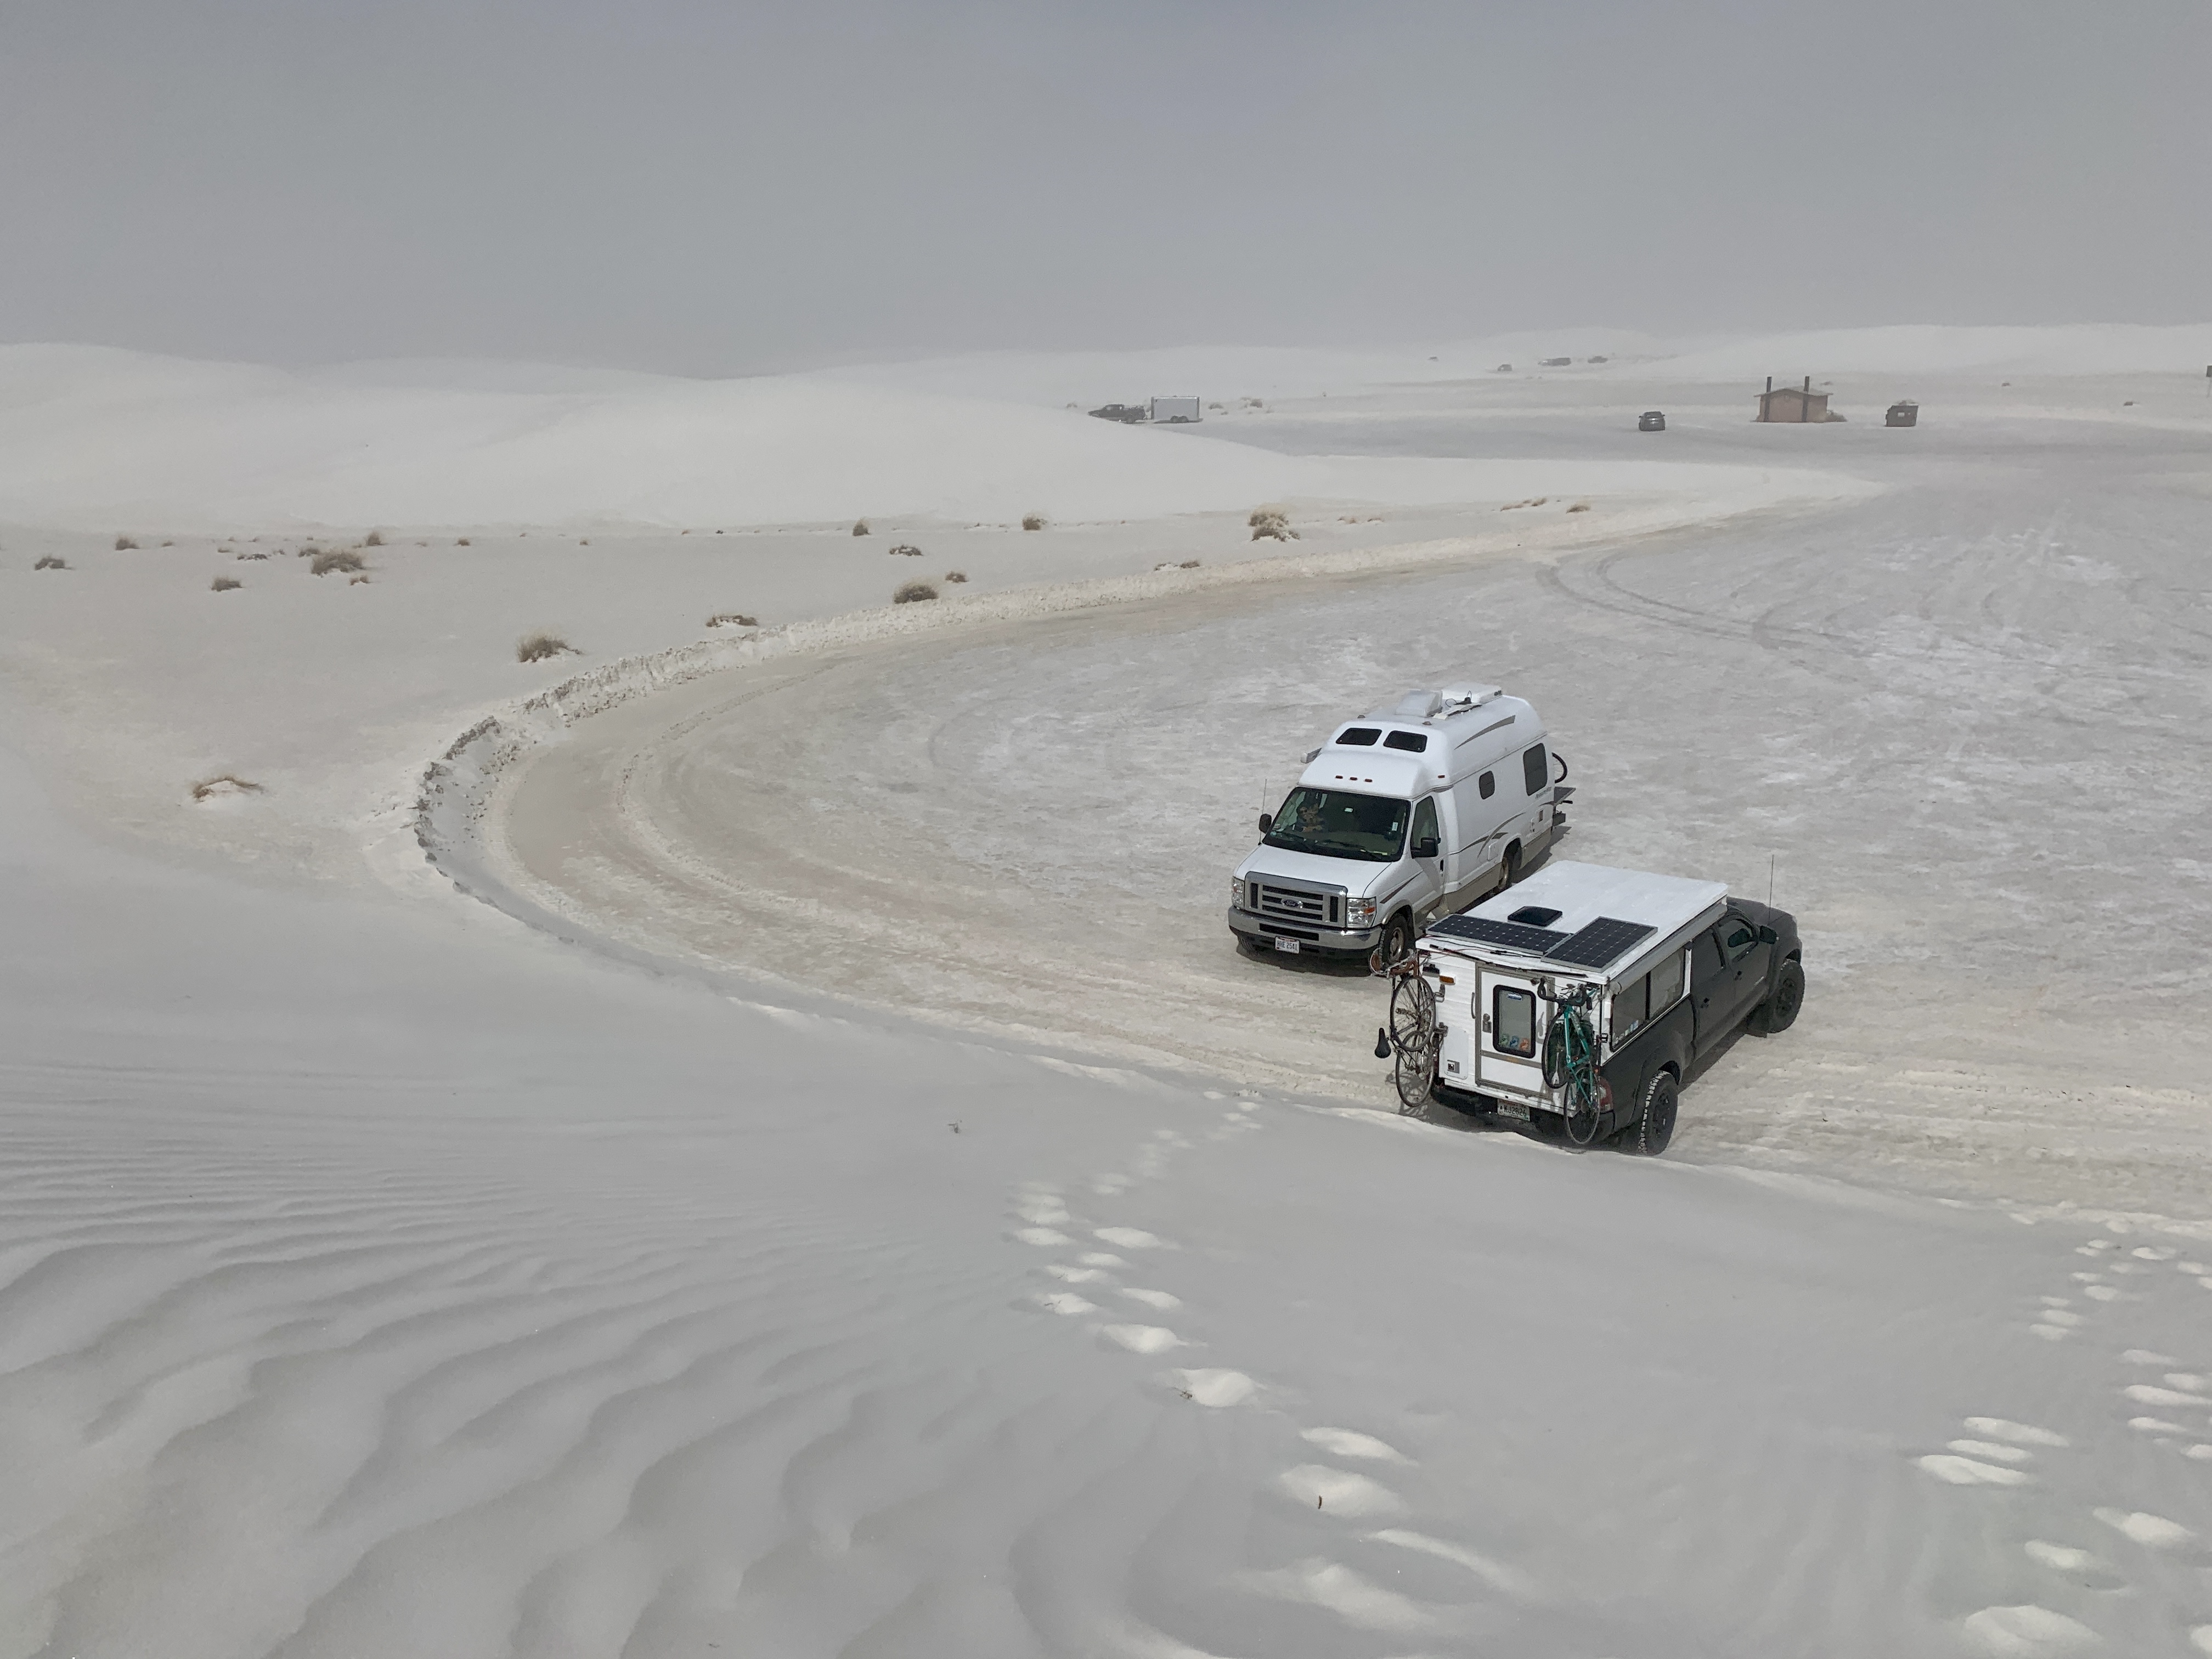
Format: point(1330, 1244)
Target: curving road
point(1966, 722)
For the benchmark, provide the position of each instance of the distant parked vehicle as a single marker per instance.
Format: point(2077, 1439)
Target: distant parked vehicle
point(1129, 414)
point(1175, 411)
point(1554, 362)
point(1651, 420)
point(1904, 413)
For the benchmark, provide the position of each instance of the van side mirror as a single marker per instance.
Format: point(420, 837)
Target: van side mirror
point(1768, 936)
point(1425, 847)
point(1267, 823)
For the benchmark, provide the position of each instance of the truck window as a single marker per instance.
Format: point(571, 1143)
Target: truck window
point(1488, 784)
point(1513, 1021)
point(1666, 985)
point(1334, 824)
point(1358, 737)
point(1629, 1009)
point(1737, 937)
point(1425, 820)
point(1416, 743)
point(1535, 770)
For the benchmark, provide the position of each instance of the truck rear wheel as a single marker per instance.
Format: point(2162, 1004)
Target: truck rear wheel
point(1779, 1012)
point(1654, 1117)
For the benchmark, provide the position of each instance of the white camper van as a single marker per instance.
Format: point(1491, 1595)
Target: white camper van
point(1413, 811)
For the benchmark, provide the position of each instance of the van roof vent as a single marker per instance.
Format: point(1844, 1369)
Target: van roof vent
point(1459, 698)
point(1418, 705)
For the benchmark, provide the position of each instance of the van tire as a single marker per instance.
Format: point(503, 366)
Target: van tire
point(1396, 943)
point(1510, 867)
point(1779, 1012)
point(1655, 1116)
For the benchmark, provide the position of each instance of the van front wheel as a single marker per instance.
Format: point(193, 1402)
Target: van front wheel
point(1779, 1013)
point(1397, 943)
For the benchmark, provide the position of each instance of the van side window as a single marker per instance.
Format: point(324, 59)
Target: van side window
point(1488, 783)
point(1358, 737)
point(1628, 1009)
point(1513, 1021)
point(1424, 823)
point(1666, 985)
point(1413, 742)
point(1535, 770)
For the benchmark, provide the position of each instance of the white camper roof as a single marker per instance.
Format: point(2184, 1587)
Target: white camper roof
point(1602, 915)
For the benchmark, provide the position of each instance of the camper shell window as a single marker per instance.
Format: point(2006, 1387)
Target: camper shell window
point(1646, 997)
point(1358, 737)
point(1513, 1021)
point(1414, 743)
point(1488, 784)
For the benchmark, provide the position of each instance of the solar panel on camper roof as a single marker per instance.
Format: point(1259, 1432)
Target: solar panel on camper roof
point(1600, 943)
point(1534, 940)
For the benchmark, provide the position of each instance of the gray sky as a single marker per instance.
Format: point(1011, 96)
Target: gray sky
point(713, 188)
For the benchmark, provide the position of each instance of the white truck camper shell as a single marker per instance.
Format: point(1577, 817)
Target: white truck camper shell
point(1567, 924)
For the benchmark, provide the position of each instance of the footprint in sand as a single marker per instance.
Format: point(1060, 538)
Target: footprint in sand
point(2018, 1434)
point(1985, 1460)
point(2200, 1638)
point(1142, 1338)
point(2145, 1357)
point(1129, 1238)
point(1349, 1442)
point(1068, 1275)
point(2080, 1566)
point(1315, 1486)
point(1159, 1299)
point(2027, 1633)
point(1970, 1472)
point(1217, 1388)
point(1066, 1303)
point(2152, 1531)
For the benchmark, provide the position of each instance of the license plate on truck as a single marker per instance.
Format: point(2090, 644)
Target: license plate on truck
point(1515, 1109)
point(1288, 945)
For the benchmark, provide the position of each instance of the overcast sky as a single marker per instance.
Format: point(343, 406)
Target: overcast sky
point(710, 188)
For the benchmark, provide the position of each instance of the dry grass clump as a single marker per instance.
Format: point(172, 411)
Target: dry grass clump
point(733, 619)
point(228, 784)
point(1032, 520)
point(1272, 524)
point(1176, 564)
point(860, 527)
point(224, 584)
point(125, 544)
point(343, 559)
point(956, 575)
point(358, 581)
point(1534, 501)
point(538, 647)
point(249, 556)
point(464, 542)
point(1581, 507)
point(375, 538)
point(913, 593)
point(905, 550)
point(50, 562)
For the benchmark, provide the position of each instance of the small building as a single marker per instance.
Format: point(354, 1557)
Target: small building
point(1793, 404)
point(1904, 412)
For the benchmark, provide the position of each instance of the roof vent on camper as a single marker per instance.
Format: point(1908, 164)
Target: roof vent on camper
point(1418, 705)
point(1459, 698)
point(1536, 915)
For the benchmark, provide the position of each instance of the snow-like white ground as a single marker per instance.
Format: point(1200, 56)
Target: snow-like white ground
point(380, 1274)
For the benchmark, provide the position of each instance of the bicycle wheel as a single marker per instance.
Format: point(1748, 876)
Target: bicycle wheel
point(1413, 1040)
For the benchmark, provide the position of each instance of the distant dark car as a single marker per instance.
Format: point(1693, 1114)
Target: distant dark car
point(1131, 414)
point(1906, 413)
point(1651, 420)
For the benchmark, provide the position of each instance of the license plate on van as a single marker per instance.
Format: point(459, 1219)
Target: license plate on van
point(1515, 1109)
point(1289, 946)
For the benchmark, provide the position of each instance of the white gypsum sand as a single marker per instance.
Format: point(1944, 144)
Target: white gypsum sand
point(378, 1275)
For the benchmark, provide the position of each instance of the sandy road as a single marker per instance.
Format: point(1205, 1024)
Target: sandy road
point(1965, 721)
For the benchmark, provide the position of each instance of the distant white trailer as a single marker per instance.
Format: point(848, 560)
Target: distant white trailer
point(1175, 411)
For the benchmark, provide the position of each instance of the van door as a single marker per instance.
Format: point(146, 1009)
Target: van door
point(1428, 888)
point(1510, 1058)
point(1483, 815)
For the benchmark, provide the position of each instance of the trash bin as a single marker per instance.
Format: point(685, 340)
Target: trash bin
point(1906, 413)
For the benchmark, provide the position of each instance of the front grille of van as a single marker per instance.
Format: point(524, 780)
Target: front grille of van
point(1294, 904)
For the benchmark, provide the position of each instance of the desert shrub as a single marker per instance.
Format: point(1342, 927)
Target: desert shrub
point(168, 544)
point(905, 550)
point(956, 575)
point(375, 538)
point(583, 541)
point(338, 558)
point(1032, 520)
point(227, 784)
point(913, 593)
point(1176, 564)
point(50, 562)
point(125, 544)
point(1272, 524)
point(537, 647)
point(464, 542)
point(1188, 564)
point(1580, 506)
point(1534, 501)
point(860, 527)
point(224, 584)
point(733, 619)
point(357, 581)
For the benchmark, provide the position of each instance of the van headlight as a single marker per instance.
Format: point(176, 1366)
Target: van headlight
point(1237, 892)
point(1359, 913)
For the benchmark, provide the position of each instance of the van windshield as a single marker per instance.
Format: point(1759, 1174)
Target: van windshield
point(1334, 824)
